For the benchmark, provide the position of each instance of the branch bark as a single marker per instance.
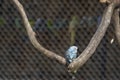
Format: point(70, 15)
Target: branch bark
point(94, 42)
point(116, 24)
point(31, 35)
point(109, 1)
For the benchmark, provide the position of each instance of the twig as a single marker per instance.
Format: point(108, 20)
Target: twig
point(31, 35)
point(94, 42)
point(116, 19)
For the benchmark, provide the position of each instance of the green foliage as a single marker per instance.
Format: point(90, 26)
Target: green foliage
point(72, 29)
point(32, 22)
point(2, 21)
point(50, 26)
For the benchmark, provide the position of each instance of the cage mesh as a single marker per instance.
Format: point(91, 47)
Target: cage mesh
point(50, 19)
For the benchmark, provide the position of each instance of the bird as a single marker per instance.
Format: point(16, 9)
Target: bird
point(71, 54)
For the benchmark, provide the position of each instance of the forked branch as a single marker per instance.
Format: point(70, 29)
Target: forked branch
point(86, 54)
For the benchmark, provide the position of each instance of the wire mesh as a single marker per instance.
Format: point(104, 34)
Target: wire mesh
point(50, 19)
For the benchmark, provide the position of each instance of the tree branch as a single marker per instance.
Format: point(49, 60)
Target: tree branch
point(116, 19)
point(94, 42)
point(31, 35)
point(109, 1)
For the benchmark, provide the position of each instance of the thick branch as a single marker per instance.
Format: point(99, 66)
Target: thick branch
point(94, 42)
point(116, 19)
point(32, 37)
point(109, 1)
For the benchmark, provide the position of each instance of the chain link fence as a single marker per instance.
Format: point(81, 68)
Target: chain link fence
point(52, 20)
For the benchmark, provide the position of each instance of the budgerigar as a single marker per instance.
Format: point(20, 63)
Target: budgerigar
point(71, 54)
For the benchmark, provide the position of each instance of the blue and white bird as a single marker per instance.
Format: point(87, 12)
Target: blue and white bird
point(71, 54)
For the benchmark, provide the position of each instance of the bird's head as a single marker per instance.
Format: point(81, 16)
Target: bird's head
point(74, 48)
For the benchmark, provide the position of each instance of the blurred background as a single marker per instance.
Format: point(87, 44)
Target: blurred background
point(58, 24)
